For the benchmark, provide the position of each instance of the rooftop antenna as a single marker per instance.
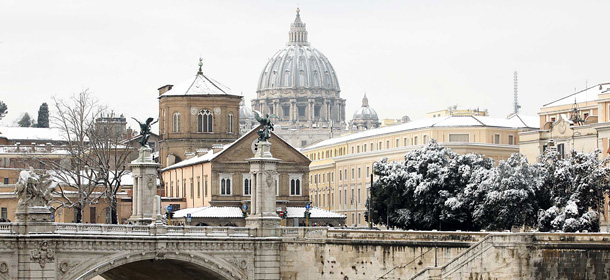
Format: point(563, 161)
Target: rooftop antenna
point(516, 95)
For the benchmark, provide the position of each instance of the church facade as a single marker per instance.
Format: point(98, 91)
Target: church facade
point(299, 87)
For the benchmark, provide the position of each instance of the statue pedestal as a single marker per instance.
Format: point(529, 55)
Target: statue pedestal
point(263, 171)
point(144, 173)
point(33, 219)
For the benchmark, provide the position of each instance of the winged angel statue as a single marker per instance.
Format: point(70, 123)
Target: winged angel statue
point(264, 132)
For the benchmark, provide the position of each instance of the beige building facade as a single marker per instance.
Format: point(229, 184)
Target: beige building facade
point(580, 121)
point(221, 176)
point(341, 167)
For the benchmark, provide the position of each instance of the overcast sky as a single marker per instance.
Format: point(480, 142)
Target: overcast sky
point(410, 57)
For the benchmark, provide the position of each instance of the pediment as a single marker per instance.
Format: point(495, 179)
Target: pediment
point(242, 150)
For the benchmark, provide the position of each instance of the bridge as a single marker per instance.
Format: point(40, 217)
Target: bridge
point(83, 251)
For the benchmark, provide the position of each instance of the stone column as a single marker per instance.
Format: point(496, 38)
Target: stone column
point(144, 172)
point(263, 214)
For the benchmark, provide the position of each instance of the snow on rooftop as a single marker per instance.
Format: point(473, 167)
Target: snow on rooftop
point(585, 95)
point(446, 121)
point(32, 133)
point(201, 85)
point(316, 213)
point(210, 212)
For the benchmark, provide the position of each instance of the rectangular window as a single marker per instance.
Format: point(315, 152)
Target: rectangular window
point(425, 139)
point(171, 189)
point(405, 141)
point(368, 171)
point(359, 218)
point(364, 148)
point(353, 199)
point(459, 137)
point(561, 150)
point(6, 181)
point(353, 219)
point(4, 214)
point(358, 149)
point(415, 140)
point(184, 188)
point(192, 189)
point(353, 173)
point(371, 146)
point(345, 197)
point(387, 144)
point(198, 187)
point(397, 142)
point(332, 176)
point(92, 215)
point(205, 185)
point(359, 173)
point(497, 139)
point(340, 175)
point(511, 140)
point(358, 195)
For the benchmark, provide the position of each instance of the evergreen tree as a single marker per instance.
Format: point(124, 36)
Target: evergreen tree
point(43, 116)
point(25, 121)
point(3, 109)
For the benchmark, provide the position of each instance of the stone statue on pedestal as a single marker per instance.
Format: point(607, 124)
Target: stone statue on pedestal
point(35, 193)
point(34, 190)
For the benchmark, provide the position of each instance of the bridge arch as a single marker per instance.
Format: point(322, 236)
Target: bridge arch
point(211, 266)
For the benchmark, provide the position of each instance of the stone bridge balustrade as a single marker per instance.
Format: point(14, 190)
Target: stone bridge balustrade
point(82, 251)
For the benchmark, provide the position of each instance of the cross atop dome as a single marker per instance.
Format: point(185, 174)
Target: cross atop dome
point(298, 32)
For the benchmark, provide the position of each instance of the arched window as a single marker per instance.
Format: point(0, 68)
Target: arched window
point(295, 184)
point(225, 184)
point(247, 184)
point(230, 124)
point(204, 121)
point(176, 122)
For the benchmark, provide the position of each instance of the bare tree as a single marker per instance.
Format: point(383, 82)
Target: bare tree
point(78, 176)
point(107, 146)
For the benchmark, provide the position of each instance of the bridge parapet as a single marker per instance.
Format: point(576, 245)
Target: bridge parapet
point(381, 235)
point(137, 230)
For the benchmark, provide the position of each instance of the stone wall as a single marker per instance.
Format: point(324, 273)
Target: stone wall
point(345, 254)
point(530, 256)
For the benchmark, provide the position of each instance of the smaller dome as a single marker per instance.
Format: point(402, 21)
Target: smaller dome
point(365, 112)
point(245, 112)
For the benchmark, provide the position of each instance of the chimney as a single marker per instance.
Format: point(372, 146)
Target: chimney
point(202, 151)
point(165, 89)
point(189, 155)
point(217, 148)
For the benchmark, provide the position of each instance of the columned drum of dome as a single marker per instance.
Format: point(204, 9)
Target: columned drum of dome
point(300, 86)
point(195, 115)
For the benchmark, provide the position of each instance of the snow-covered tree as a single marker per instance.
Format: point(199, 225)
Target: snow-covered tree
point(425, 191)
point(576, 183)
point(508, 195)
